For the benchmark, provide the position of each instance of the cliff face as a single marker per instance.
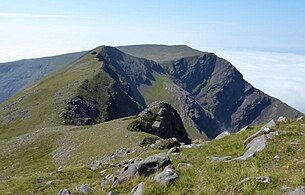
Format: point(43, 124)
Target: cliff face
point(220, 89)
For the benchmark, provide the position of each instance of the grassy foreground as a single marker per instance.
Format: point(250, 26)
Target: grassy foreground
point(26, 170)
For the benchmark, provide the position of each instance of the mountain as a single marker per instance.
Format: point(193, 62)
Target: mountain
point(87, 126)
point(105, 84)
point(15, 76)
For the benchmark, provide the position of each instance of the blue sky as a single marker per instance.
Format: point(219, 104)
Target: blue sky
point(69, 25)
point(263, 38)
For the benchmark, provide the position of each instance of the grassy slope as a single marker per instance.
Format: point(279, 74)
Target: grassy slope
point(25, 161)
point(205, 177)
point(15, 76)
point(53, 90)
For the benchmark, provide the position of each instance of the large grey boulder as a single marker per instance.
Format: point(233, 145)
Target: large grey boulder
point(64, 192)
point(166, 176)
point(153, 163)
point(256, 145)
point(139, 189)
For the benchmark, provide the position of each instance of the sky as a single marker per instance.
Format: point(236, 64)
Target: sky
point(265, 40)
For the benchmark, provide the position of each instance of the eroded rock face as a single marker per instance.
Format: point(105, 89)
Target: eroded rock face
point(79, 112)
point(161, 119)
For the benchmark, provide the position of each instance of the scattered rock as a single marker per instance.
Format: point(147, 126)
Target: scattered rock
point(243, 129)
point(299, 191)
point(285, 188)
point(166, 176)
point(276, 158)
point(184, 166)
point(84, 188)
point(261, 179)
point(153, 163)
point(103, 172)
point(173, 150)
point(138, 190)
point(64, 192)
point(281, 119)
point(147, 141)
point(222, 135)
point(51, 182)
point(111, 193)
point(265, 129)
point(221, 159)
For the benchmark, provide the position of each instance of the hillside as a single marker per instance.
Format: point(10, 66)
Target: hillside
point(105, 83)
point(276, 169)
point(15, 76)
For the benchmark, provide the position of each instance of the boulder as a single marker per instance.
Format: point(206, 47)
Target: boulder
point(160, 119)
point(64, 192)
point(138, 190)
point(84, 188)
point(243, 129)
point(167, 176)
point(256, 145)
point(173, 150)
point(128, 172)
point(222, 135)
point(281, 119)
point(162, 144)
point(153, 163)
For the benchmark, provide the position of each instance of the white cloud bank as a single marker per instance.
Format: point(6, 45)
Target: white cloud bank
point(281, 75)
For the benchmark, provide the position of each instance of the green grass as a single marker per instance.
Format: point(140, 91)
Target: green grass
point(205, 177)
point(30, 167)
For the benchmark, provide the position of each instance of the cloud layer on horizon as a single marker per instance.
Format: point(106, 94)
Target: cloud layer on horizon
point(281, 75)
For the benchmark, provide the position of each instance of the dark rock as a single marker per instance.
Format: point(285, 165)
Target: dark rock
point(138, 190)
point(153, 163)
point(167, 176)
point(79, 112)
point(64, 192)
point(147, 141)
point(160, 119)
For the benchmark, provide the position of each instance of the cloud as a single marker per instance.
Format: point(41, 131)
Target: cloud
point(281, 75)
point(30, 15)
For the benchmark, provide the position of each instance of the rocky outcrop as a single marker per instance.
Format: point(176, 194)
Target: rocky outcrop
point(160, 119)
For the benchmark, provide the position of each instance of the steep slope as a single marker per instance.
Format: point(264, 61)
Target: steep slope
point(15, 76)
point(160, 53)
point(220, 89)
